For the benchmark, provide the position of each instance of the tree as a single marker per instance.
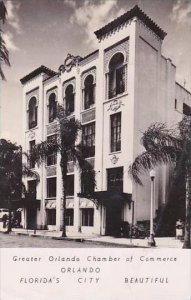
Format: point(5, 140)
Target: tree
point(4, 53)
point(65, 144)
point(11, 172)
point(168, 146)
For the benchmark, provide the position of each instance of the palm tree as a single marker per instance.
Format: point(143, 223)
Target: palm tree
point(4, 53)
point(168, 146)
point(65, 145)
point(11, 172)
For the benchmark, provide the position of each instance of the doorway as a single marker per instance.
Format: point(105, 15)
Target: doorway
point(113, 220)
point(31, 218)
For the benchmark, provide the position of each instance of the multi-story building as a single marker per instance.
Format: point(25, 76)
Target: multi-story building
point(116, 92)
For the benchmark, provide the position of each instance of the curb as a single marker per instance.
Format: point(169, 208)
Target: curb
point(78, 240)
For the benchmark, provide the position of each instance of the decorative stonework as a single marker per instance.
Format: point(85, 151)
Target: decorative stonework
point(69, 203)
point(123, 48)
point(52, 128)
point(70, 167)
point(88, 116)
point(86, 203)
point(71, 81)
point(29, 95)
point(114, 159)
point(115, 105)
point(50, 204)
point(86, 73)
point(69, 63)
point(50, 171)
point(31, 135)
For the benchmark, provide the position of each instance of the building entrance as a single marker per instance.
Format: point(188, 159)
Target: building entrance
point(31, 218)
point(113, 220)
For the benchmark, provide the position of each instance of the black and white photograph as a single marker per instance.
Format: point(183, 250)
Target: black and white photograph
point(95, 143)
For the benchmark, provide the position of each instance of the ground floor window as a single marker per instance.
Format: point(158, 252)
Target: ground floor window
point(69, 217)
point(87, 217)
point(51, 216)
point(51, 187)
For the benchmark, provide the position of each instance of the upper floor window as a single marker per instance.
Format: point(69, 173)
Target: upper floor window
point(89, 92)
point(69, 99)
point(51, 157)
point(51, 187)
point(33, 110)
point(52, 107)
point(115, 132)
point(115, 179)
point(88, 139)
point(69, 185)
point(32, 189)
point(116, 76)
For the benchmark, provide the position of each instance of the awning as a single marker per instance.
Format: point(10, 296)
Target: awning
point(113, 198)
point(22, 203)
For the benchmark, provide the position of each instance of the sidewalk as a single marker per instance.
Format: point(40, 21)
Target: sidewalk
point(161, 242)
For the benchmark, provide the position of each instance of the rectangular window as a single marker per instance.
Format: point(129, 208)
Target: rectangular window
point(31, 161)
point(51, 216)
point(69, 217)
point(32, 189)
point(51, 187)
point(115, 179)
point(88, 139)
point(115, 132)
point(70, 185)
point(51, 158)
point(186, 109)
point(87, 217)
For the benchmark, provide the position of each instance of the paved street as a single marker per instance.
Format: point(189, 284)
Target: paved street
point(16, 241)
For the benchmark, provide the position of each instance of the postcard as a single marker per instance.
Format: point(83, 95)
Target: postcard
point(95, 118)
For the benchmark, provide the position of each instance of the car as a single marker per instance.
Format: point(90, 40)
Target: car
point(3, 211)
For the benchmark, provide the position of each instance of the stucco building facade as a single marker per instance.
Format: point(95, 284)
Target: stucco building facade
point(116, 92)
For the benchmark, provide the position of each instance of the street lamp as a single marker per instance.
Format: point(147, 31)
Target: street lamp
point(151, 241)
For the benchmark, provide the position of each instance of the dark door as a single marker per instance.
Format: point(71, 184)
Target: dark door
point(31, 218)
point(113, 220)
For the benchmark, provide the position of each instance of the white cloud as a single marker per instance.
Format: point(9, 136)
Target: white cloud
point(92, 15)
point(12, 14)
point(8, 38)
point(181, 12)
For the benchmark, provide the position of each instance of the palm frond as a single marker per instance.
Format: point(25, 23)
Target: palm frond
point(159, 135)
point(3, 12)
point(150, 159)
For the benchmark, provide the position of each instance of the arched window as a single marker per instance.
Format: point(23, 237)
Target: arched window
point(69, 100)
point(52, 107)
point(33, 110)
point(116, 75)
point(89, 92)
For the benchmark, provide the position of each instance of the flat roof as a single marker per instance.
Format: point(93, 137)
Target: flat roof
point(134, 12)
point(36, 72)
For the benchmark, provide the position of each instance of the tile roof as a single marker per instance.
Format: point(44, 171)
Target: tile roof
point(36, 72)
point(134, 12)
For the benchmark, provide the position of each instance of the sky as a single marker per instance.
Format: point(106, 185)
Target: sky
point(43, 32)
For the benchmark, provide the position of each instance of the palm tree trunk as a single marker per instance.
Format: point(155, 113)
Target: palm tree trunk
point(63, 166)
point(9, 218)
point(187, 244)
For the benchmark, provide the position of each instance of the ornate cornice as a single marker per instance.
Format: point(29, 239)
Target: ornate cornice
point(70, 62)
